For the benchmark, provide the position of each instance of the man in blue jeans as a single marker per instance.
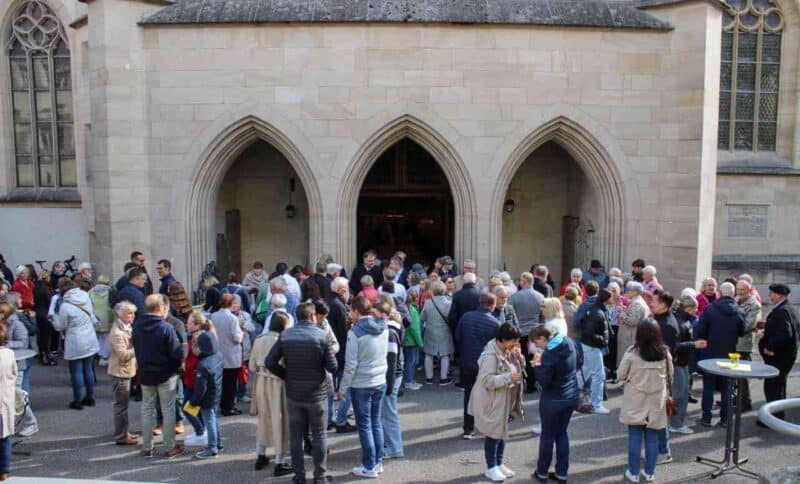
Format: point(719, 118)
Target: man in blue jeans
point(722, 324)
point(337, 318)
point(365, 375)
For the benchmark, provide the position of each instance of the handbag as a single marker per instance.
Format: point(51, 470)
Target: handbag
point(585, 405)
point(672, 407)
point(244, 375)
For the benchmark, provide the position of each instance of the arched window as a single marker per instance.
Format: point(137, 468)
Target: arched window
point(44, 143)
point(749, 73)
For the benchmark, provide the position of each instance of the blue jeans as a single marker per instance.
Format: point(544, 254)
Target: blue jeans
point(710, 384)
point(344, 405)
point(493, 451)
point(197, 422)
point(212, 425)
point(593, 369)
point(367, 407)
point(81, 375)
point(663, 441)
point(635, 435)
point(5, 455)
point(680, 395)
point(393, 438)
point(555, 416)
point(26, 379)
point(411, 357)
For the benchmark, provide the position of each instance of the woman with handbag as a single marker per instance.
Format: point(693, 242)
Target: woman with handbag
point(438, 341)
point(645, 370)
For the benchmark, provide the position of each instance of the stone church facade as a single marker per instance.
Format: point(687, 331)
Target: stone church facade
point(564, 131)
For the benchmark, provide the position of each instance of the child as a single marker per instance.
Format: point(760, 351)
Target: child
point(8, 379)
point(208, 390)
point(196, 324)
point(412, 342)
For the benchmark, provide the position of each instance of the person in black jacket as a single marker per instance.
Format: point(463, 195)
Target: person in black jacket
point(464, 300)
point(42, 295)
point(133, 291)
point(593, 334)
point(370, 267)
point(722, 324)
point(685, 346)
point(778, 346)
point(306, 356)
point(338, 319)
point(208, 390)
point(390, 420)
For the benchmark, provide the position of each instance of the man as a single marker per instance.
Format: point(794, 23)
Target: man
point(337, 318)
point(590, 290)
point(300, 358)
point(662, 302)
point(164, 271)
point(469, 268)
point(753, 290)
point(540, 281)
point(527, 304)
point(365, 376)
point(276, 286)
point(334, 270)
point(722, 324)
point(7, 273)
point(321, 280)
point(399, 290)
point(159, 357)
point(503, 311)
point(133, 291)
point(138, 259)
point(448, 266)
point(778, 346)
point(84, 277)
point(397, 265)
point(475, 329)
point(596, 273)
point(637, 267)
point(368, 267)
point(292, 286)
point(464, 300)
point(752, 315)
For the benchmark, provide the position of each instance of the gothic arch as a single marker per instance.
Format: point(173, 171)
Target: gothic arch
point(422, 133)
point(219, 155)
point(599, 166)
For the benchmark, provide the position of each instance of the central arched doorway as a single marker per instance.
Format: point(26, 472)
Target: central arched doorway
point(406, 204)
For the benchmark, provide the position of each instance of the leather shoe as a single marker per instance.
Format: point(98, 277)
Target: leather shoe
point(175, 452)
point(346, 428)
point(323, 479)
point(262, 462)
point(128, 440)
point(283, 470)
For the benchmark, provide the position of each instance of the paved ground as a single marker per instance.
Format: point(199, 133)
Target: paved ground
point(76, 444)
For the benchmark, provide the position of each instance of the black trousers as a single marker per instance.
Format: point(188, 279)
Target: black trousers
point(229, 377)
point(775, 388)
point(746, 401)
point(45, 333)
point(302, 416)
point(468, 378)
point(530, 377)
point(610, 360)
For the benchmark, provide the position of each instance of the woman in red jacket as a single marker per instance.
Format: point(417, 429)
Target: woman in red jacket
point(24, 286)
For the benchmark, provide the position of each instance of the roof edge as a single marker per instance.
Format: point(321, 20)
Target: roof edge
point(647, 4)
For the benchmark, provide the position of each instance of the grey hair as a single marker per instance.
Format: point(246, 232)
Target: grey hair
point(469, 278)
point(726, 289)
point(636, 287)
point(613, 284)
point(746, 277)
point(438, 288)
point(709, 279)
point(689, 292)
point(277, 283)
point(123, 307)
point(14, 299)
point(576, 272)
point(498, 289)
point(237, 299)
point(469, 262)
point(333, 267)
point(338, 283)
point(505, 276)
point(278, 301)
point(527, 277)
point(615, 272)
point(649, 270)
point(618, 280)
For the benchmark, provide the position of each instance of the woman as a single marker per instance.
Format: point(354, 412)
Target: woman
point(412, 342)
point(554, 365)
point(594, 340)
point(212, 295)
point(17, 335)
point(179, 302)
point(42, 295)
point(636, 311)
point(74, 318)
point(235, 287)
point(24, 286)
point(99, 296)
point(269, 401)
point(230, 336)
point(8, 378)
point(615, 308)
point(196, 324)
point(681, 382)
point(575, 280)
point(368, 289)
point(449, 285)
point(554, 316)
point(58, 272)
point(644, 370)
point(249, 329)
point(707, 295)
point(438, 341)
point(491, 399)
point(650, 285)
point(5, 288)
point(569, 305)
point(390, 419)
point(121, 368)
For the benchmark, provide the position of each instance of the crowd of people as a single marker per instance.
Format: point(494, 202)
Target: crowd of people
point(306, 347)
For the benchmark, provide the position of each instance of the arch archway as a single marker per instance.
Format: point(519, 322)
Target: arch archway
point(599, 169)
point(215, 162)
point(421, 133)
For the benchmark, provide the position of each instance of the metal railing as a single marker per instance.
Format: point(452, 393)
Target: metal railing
point(765, 414)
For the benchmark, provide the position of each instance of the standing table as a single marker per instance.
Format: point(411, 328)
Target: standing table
point(731, 461)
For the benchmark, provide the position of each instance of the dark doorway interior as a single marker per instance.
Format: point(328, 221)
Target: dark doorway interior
point(406, 204)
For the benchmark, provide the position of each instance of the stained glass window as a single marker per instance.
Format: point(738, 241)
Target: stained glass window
point(749, 73)
point(41, 88)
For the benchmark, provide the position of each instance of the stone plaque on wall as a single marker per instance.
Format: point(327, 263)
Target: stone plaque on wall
point(747, 221)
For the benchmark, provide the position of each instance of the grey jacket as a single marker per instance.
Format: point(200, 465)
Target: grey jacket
point(18, 338)
point(365, 355)
point(752, 313)
point(438, 338)
point(75, 319)
point(527, 304)
point(230, 336)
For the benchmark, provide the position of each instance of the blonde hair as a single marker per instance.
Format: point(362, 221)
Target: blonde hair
point(571, 294)
point(202, 321)
point(367, 281)
point(210, 280)
point(551, 307)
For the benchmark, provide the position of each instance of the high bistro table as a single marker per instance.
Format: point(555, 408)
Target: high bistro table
point(731, 460)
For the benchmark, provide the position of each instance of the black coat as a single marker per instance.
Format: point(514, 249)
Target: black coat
point(157, 347)
point(722, 325)
point(542, 288)
point(361, 271)
point(324, 285)
point(780, 336)
point(594, 326)
point(133, 295)
point(465, 300)
point(208, 382)
point(685, 338)
point(337, 318)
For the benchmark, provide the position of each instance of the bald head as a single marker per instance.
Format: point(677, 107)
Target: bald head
point(157, 304)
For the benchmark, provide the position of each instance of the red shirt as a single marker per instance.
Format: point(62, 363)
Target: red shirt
point(25, 290)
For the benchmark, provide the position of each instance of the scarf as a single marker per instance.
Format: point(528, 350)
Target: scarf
point(555, 341)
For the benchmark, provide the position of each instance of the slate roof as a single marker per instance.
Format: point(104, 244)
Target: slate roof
point(622, 14)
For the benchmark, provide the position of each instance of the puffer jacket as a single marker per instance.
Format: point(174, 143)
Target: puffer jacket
point(593, 326)
point(208, 381)
point(18, 336)
point(644, 401)
point(75, 319)
point(722, 324)
point(365, 359)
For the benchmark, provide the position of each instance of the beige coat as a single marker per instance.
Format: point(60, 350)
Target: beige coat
point(491, 399)
point(644, 401)
point(8, 385)
point(269, 398)
point(628, 321)
point(121, 358)
point(752, 314)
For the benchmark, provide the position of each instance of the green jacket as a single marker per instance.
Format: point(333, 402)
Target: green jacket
point(413, 334)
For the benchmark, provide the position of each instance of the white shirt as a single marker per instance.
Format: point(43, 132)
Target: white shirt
point(269, 318)
point(399, 291)
point(292, 285)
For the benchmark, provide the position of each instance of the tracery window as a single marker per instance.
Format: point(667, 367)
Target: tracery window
point(749, 74)
point(41, 86)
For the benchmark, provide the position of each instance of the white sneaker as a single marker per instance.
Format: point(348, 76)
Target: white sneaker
point(413, 386)
point(630, 477)
point(361, 472)
point(663, 459)
point(378, 468)
point(648, 477)
point(537, 429)
point(601, 410)
point(28, 431)
point(682, 430)
point(495, 474)
point(194, 440)
point(508, 472)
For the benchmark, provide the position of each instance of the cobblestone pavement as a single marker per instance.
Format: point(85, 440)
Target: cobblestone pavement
point(77, 444)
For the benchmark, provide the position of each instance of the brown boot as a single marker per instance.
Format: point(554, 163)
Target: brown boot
point(129, 440)
point(175, 452)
